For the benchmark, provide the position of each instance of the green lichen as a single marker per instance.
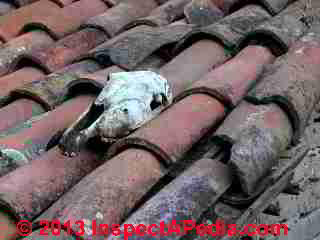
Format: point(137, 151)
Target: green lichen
point(27, 142)
point(230, 51)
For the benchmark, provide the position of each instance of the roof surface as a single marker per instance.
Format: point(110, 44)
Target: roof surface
point(238, 143)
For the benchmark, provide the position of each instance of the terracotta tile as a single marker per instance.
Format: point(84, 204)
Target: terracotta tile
point(270, 130)
point(16, 79)
point(98, 79)
point(121, 15)
point(30, 142)
point(116, 182)
point(230, 30)
point(18, 112)
point(273, 6)
point(108, 181)
point(41, 131)
point(250, 63)
point(14, 50)
point(68, 19)
point(131, 47)
point(29, 196)
point(117, 173)
point(193, 62)
point(50, 91)
point(66, 50)
point(173, 146)
point(278, 33)
point(11, 24)
point(129, 175)
point(295, 76)
point(202, 13)
point(165, 14)
point(143, 156)
point(80, 67)
point(185, 198)
point(21, 107)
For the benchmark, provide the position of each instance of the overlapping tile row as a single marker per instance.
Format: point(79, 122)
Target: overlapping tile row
point(216, 49)
point(33, 47)
point(262, 142)
point(177, 64)
point(140, 160)
point(47, 91)
point(30, 139)
point(12, 23)
point(115, 178)
point(118, 17)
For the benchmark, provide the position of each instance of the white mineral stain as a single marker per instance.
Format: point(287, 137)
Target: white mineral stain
point(99, 215)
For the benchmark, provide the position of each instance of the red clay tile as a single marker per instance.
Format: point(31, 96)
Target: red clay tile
point(16, 79)
point(295, 76)
point(6, 7)
point(278, 33)
point(193, 62)
point(270, 130)
point(81, 67)
point(11, 52)
point(68, 19)
point(239, 216)
point(125, 180)
point(132, 169)
point(273, 6)
point(12, 23)
point(119, 16)
point(66, 50)
point(182, 140)
point(165, 14)
point(185, 198)
point(249, 62)
point(131, 47)
point(131, 173)
point(13, 111)
point(29, 196)
point(230, 30)
point(39, 124)
point(202, 13)
point(96, 80)
point(18, 112)
point(31, 141)
point(50, 91)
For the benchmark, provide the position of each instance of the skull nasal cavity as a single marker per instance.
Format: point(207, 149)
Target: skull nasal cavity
point(154, 104)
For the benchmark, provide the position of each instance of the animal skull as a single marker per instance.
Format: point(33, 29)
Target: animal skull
point(129, 100)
